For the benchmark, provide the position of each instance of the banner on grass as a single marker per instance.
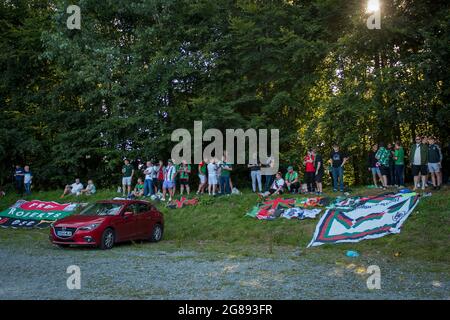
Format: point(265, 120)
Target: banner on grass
point(368, 218)
point(36, 213)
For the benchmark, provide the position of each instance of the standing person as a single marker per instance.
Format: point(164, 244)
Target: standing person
point(268, 178)
point(255, 172)
point(434, 163)
point(148, 181)
point(225, 171)
point(127, 176)
point(310, 170)
point(184, 170)
point(391, 175)
point(169, 180)
point(202, 171)
point(399, 158)
point(291, 180)
point(175, 178)
point(27, 179)
point(374, 166)
point(212, 176)
point(382, 156)
point(419, 160)
point(159, 176)
point(338, 160)
point(318, 164)
point(18, 179)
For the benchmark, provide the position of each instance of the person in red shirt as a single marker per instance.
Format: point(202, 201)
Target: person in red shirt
point(310, 170)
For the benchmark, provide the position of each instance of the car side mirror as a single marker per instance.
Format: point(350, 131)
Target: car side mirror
point(127, 214)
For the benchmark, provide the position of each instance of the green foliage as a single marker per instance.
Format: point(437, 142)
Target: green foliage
point(74, 102)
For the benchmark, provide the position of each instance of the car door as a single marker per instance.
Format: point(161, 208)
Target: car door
point(144, 220)
point(126, 228)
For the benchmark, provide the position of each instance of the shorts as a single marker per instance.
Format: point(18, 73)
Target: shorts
point(376, 170)
point(419, 169)
point(202, 178)
point(384, 170)
point(167, 184)
point(318, 177)
point(126, 181)
point(212, 179)
point(184, 182)
point(434, 167)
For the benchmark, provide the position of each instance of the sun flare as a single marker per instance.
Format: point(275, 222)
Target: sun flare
point(373, 6)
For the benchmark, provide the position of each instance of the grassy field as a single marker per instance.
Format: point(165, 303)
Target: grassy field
point(220, 225)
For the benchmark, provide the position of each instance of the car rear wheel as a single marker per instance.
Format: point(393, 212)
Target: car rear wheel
point(108, 239)
point(157, 233)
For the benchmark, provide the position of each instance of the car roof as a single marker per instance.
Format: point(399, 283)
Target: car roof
point(124, 201)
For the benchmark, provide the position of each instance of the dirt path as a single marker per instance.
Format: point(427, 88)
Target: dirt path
point(146, 272)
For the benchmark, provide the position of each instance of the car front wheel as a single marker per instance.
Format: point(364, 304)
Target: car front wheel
point(157, 233)
point(108, 239)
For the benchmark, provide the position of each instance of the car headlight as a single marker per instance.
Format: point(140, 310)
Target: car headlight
point(90, 227)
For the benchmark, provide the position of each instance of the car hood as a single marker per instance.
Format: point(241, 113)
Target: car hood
point(77, 221)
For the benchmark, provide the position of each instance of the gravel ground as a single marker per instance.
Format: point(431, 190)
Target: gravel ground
point(147, 272)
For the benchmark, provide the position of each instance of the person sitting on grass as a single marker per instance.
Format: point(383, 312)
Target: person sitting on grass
point(291, 180)
point(90, 188)
point(139, 188)
point(276, 187)
point(73, 189)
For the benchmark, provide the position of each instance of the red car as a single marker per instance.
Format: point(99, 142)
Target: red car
point(104, 223)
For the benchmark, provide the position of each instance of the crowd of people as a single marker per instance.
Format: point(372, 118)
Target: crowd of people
point(386, 163)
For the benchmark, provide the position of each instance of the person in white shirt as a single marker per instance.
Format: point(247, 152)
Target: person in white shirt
point(148, 182)
point(276, 187)
point(74, 188)
point(212, 176)
point(90, 188)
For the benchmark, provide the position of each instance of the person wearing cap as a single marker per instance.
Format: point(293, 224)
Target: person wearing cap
point(169, 180)
point(127, 176)
point(291, 180)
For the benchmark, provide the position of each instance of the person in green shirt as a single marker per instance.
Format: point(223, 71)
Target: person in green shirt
point(139, 188)
point(127, 176)
point(225, 170)
point(382, 156)
point(291, 180)
point(202, 172)
point(399, 158)
point(184, 169)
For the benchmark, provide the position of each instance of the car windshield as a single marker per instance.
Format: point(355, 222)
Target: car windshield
point(102, 209)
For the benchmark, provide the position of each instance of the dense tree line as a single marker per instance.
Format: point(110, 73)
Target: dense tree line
point(75, 102)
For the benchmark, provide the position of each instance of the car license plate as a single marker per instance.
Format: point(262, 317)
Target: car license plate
point(64, 233)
